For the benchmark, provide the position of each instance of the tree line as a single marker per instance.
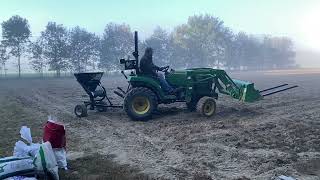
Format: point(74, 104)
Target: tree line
point(203, 41)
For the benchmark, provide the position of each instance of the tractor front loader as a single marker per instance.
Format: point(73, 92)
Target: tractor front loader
point(201, 88)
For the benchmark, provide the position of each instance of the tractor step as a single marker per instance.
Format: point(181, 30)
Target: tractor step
point(170, 97)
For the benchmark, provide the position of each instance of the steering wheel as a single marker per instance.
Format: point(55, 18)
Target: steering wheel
point(165, 69)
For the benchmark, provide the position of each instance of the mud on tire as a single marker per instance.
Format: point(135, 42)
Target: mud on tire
point(140, 103)
point(206, 106)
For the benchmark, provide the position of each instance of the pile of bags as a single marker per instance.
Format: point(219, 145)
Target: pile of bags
point(32, 160)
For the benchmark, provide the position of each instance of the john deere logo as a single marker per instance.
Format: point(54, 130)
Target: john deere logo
point(2, 168)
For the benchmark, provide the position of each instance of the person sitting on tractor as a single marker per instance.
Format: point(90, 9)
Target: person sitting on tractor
point(148, 68)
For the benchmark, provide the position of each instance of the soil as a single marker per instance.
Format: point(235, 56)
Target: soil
point(279, 135)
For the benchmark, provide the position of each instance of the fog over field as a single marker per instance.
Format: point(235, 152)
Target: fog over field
point(235, 96)
point(221, 34)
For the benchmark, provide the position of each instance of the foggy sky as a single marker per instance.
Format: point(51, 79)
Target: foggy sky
point(297, 19)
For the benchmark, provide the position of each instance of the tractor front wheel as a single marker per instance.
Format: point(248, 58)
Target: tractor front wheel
point(206, 106)
point(140, 103)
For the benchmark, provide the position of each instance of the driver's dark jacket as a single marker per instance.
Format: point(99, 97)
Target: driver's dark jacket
point(147, 67)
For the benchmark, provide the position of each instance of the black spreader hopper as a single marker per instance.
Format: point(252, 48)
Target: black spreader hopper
point(91, 83)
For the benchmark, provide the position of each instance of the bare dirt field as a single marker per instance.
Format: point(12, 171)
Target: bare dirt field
point(279, 135)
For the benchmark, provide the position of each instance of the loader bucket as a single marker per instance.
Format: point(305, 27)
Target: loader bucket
point(248, 92)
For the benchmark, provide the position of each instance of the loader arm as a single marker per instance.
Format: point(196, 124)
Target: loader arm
point(237, 89)
point(229, 87)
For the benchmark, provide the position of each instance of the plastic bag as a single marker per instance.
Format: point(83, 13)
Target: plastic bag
point(29, 159)
point(26, 134)
point(61, 157)
point(21, 149)
point(16, 166)
point(46, 161)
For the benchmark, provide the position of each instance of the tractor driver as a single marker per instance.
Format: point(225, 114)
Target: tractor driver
point(148, 68)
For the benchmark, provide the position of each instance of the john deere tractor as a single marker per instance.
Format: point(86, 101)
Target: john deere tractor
point(201, 87)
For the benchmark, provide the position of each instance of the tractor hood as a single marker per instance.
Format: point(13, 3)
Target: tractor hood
point(238, 89)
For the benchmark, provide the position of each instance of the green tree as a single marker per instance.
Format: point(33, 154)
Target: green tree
point(227, 55)
point(16, 33)
point(287, 53)
point(202, 41)
point(37, 58)
point(83, 48)
point(55, 47)
point(117, 42)
point(247, 52)
point(161, 43)
point(237, 59)
point(253, 54)
point(278, 52)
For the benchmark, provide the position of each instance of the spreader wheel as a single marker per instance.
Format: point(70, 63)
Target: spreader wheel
point(80, 110)
point(140, 103)
point(206, 106)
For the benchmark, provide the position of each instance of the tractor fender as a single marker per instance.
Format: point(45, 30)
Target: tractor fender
point(149, 83)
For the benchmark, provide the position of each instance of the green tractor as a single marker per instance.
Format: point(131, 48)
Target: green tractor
point(201, 87)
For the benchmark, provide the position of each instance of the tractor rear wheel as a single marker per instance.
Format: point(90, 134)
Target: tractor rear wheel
point(140, 103)
point(206, 106)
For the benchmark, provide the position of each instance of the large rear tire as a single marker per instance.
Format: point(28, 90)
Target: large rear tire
point(206, 106)
point(140, 103)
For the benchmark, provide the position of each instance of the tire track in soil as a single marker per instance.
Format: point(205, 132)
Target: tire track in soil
point(240, 140)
